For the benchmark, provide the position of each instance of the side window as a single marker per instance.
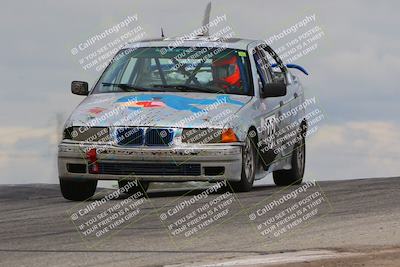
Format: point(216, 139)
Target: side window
point(263, 69)
point(277, 73)
point(260, 73)
point(260, 82)
point(266, 65)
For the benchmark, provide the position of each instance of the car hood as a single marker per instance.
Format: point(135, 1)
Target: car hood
point(159, 109)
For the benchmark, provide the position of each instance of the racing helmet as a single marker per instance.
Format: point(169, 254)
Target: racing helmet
point(226, 70)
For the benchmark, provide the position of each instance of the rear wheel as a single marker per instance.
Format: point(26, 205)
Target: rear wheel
point(76, 189)
point(249, 162)
point(141, 186)
point(294, 175)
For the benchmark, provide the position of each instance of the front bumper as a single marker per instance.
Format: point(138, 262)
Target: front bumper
point(226, 157)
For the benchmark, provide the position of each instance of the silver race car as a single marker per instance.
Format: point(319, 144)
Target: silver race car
point(195, 109)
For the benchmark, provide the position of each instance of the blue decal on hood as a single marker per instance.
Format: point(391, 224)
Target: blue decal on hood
point(172, 101)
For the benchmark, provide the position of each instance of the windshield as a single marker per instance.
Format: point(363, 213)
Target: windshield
point(187, 69)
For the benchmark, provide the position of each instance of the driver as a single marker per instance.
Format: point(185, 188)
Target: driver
point(226, 72)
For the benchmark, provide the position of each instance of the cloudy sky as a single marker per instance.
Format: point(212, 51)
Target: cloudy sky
point(353, 74)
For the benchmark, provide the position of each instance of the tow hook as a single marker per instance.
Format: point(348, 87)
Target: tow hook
point(92, 161)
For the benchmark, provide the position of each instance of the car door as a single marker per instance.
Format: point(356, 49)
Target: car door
point(288, 102)
point(271, 109)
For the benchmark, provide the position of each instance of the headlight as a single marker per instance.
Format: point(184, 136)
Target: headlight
point(87, 134)
point(208, 136)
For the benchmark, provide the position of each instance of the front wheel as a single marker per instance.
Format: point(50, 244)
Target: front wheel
point(249, 164)
point(294, 175)
point(77, 190)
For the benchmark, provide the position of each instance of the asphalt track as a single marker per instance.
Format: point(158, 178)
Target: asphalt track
point(358, 224)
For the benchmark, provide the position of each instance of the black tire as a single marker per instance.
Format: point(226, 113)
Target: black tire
point(295, 175)
point(141, 187)
point(249, 166)
point(77, 190)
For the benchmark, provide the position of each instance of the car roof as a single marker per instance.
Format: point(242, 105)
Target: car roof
point(200, 41)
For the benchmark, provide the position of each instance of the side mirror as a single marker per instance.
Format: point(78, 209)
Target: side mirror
point(80, 88)
point(273, 90)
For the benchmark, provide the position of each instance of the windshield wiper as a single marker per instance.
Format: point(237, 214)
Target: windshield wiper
point(187, 88)
point(126, 87)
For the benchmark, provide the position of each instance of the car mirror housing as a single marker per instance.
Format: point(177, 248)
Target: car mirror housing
point(80, 88)
point(273, 90)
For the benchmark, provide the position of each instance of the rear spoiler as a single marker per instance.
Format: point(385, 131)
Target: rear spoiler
point(293, 66)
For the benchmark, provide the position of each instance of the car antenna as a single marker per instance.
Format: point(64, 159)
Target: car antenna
point(162, 33)
point(206, 20)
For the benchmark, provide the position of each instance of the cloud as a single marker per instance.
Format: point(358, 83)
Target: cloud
point(26, 151)
point(11, 135)
point(354, 149)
